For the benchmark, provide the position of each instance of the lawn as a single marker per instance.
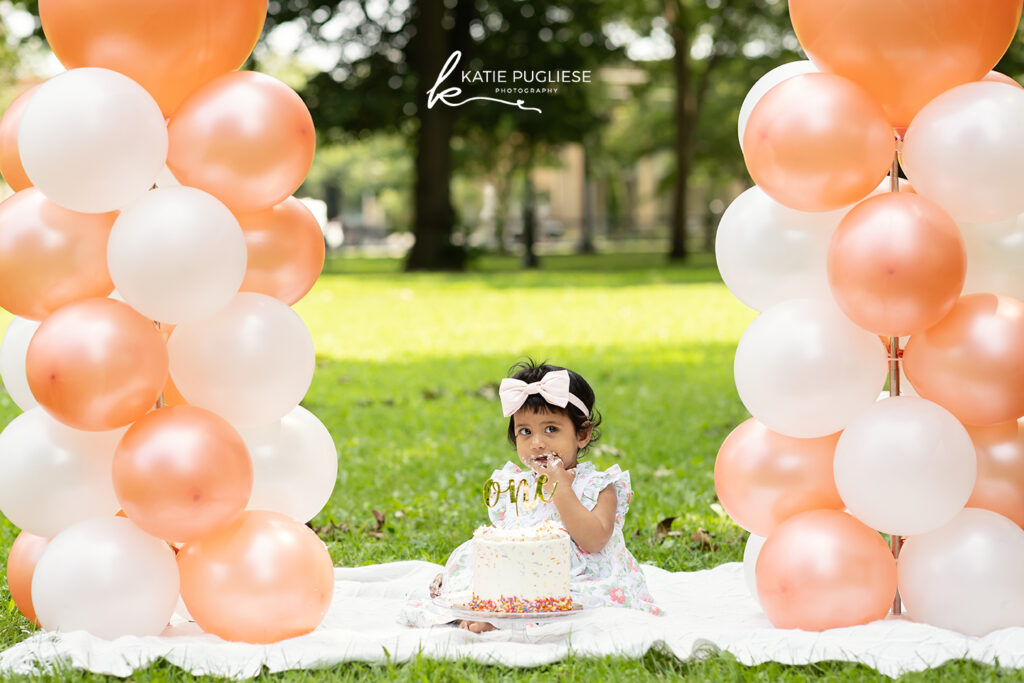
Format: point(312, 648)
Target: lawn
point(408, 366)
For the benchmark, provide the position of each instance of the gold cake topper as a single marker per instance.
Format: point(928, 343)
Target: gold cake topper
point(518, 490)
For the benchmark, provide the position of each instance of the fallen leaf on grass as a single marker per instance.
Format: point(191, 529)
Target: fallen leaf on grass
point(662, 530)
point(701, 538)
point(329, 532)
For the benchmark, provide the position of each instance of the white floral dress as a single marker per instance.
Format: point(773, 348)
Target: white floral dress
point(611, 574)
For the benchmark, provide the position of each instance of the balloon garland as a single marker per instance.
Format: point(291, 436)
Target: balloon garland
point(153, 166)
point(846, 267)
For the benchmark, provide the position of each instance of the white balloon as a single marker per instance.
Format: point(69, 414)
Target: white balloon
point(965, 151)
point(766, 83)
point(906, 466)
point(251, 363)
point(12, 361)
point(294, 463)
point(751, 551)
point(995, 263)
point(804, 370)
point(92, 140)
point(995, 229)
point(768, 253)
point(53, 475)
point(177, 255)
point(167, 179)
point(965, 575)
point(107, 577)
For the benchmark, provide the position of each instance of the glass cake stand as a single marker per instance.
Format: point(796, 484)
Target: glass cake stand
point(457, 605)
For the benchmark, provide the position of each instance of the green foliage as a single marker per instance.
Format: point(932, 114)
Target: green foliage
point(16, 52)
point(373, 87)
point(378, 165)
point(709, 666)
point(1012, 63)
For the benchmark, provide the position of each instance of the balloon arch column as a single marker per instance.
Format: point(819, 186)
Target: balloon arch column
point(155, 167)
point(846, 267)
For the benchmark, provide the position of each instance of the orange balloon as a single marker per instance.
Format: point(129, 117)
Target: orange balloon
point(171, 395)
point(997, 77)
point(817, 142)
point(21, 564)
point(905, 53)
point(1000, 483)
point(50, 256)
point(96, 364)
point(169, 47)
point(10, 160)
point(182, 473)
point(246, 138)
point(263, 579)
point(824, 569)
point(286, 250)
point(972, 361)
point(763, 477)
point(896, 264)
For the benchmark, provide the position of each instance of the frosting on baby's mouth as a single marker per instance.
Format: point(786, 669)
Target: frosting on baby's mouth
point(546, 457)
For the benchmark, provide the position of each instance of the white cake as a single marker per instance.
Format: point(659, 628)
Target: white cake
point(521, 570)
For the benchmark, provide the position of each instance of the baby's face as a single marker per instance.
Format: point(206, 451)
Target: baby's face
point(542, 435)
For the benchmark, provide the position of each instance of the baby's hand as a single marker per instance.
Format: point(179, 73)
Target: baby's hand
point(557, 474)
point(435, 585)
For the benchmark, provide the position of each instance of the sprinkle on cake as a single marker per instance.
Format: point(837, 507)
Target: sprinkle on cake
point(521, 570)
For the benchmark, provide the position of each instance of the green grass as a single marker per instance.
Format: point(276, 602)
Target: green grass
point(407, 369)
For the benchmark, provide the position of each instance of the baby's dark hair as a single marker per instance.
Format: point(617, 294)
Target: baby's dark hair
point(528, 371)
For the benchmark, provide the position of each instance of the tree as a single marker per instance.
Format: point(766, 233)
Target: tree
point(725, 28)
point(15, 50)
point(540, 39)
point(392, 54)
point(707, 36)
point(389, 55)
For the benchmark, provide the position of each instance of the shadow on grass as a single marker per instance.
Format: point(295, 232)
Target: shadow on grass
point(605, 270)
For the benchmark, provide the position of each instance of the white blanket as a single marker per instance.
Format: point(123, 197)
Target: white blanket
point(707, 610)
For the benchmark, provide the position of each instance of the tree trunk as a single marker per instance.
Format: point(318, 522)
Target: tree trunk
point(683, 147)
point(332, 197)
point(434, 217)
point(711, 219)
point(529, 215)
point(628, 225)
point(501, 195)
point(586, 245)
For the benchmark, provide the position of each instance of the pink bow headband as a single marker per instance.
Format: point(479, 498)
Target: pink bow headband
point(553, 388)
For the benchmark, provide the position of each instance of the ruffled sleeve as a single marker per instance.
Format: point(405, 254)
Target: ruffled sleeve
point(591, 482)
